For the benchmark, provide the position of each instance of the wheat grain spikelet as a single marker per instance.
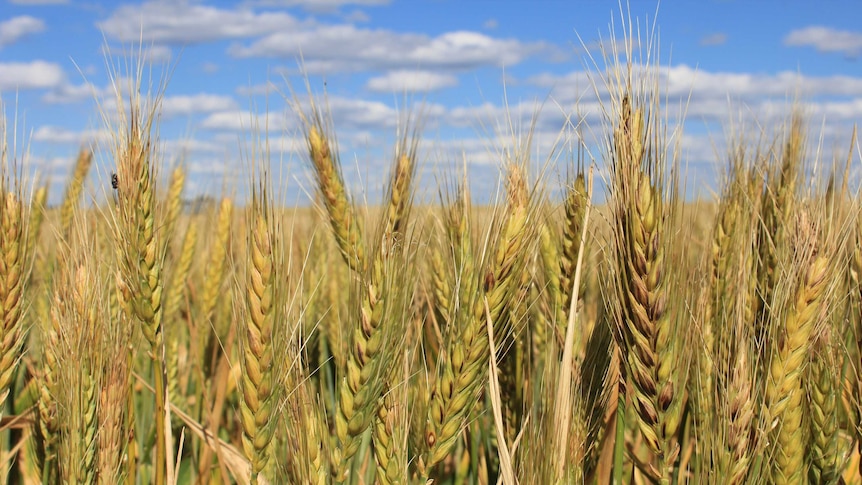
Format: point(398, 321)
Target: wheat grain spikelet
point(173, 200)
point(71, 199)
point(257, 376)
point(823, 398)
point(464, 365)
point(215, 268)
point(177, 286)
point(640, 219)
point(784, 391)
point(138, 240)
point(37, 216)
point(12, 268)
point(345, 223)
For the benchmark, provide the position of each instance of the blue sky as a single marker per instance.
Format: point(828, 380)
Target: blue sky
point(730, 59)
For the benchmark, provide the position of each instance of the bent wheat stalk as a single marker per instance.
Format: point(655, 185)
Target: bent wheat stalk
point(562, 401)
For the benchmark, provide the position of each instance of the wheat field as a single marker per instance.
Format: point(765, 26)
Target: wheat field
point(539, 339)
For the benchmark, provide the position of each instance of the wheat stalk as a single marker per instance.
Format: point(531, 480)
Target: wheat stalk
point(463, 366)
point(177, 287)
point(173, 201)
point(784, 391)
point(778, 203)
point(562, 400)
point(575, 208)
point(390, 432)
point(309, 463)
point(442, 287)
point(259, 388)
point(342, 217)
point(140, 251)
point(740, 415)
point(639, 238)
point(389, 429)
point(823, 399)
point(544, 328)
point(76, 316)
point(113, 433)
point(216, 263)
point(72, 197)
point(378, 335)
point(37, 216)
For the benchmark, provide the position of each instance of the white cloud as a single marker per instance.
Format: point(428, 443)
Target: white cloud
point(52, 165)
point(702, 148)
point(708, 94)
point(38, 2)
point(325, 47)
point(244, 121)
point(30, 75)
point(360, 113)
point(87, 91)
point(71, 93)
point(831, 104)
point(353, 118)
point(319, 5)
point(288, 144)
point(577, 80)
point(493, 118)
point(490, 24)
point(357, 17)
point(682, 79)
point(56, 134)
point(180, 148)
point(267, 88)
point(210, 67)
point(208, 166)
point(470, 48)
point(157, 54)
point(450, 154)
point(411, 81)
point(349, 48)
point(197, 103)
point(838, 110)
point(14, 29)
point(469, 115)
point(169, 22)
point(149, 54)
point(718, 38)
point(827, 39)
